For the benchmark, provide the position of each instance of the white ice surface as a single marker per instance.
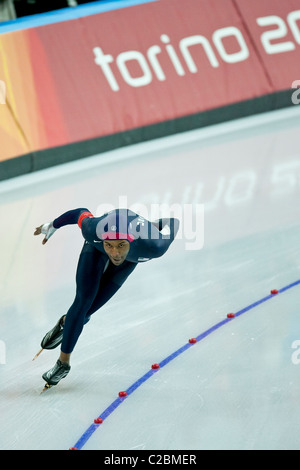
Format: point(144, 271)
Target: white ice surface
point(236, 389)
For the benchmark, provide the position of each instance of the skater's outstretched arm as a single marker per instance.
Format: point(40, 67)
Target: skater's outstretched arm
point(74, 216)
point(158, 242)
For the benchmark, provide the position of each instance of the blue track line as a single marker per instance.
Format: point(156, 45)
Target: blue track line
point(111, 408)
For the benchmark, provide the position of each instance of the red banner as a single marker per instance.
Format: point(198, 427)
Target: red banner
point(129, 68)
point(275, 30)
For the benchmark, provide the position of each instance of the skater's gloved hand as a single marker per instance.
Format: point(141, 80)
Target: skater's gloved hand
point(46, 229)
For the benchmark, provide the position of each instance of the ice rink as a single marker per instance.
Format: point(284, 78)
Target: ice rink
point(238, 387)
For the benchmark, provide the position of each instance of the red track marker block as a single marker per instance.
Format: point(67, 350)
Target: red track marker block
point(122, 394)
point(73, 448)
point(98, 420)
point(230, 315)
point(155, 366)
point(193, 340)
point(274, 291)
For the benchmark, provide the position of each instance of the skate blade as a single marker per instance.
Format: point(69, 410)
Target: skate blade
point(47, 386)
point(37, 354)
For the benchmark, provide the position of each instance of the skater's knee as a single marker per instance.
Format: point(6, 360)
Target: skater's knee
point(81, 305)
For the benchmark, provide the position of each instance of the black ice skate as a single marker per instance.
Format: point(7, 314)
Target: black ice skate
point(54, 375)
point(53, 338)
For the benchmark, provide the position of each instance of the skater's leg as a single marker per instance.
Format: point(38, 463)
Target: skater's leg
point(111, 281)
point(90, 269)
